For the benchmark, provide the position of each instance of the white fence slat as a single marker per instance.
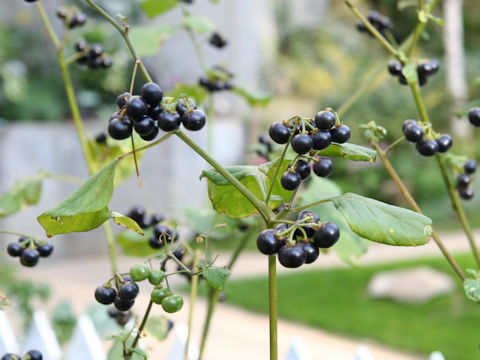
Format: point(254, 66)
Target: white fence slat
point(177, 351)
point(85, 343)
point(437, 355)
point(8, 341)
point(298, 350)
point(363, 353)
point(41, 337)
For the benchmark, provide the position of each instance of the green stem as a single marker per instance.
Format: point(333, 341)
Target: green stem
point(141, 327)
point(274, 179)
point(124, 33)
point(210, 123)
point(392, 145)
point(67, 81)
point(193, 295)
point(194, 40)
point(260, 206)
point(13, 233)
point(406, 194)
point(143, 148)
point(71, 59)
point(272, 309)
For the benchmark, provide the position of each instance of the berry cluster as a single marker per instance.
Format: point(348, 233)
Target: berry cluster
point(414, 133)
point(298, 244)
point(30, 355)
point(218, 79)
point(474, 116)
point(72, 18)
point(29, 250)
point(309, 134)
point(464, 180)
point(123, 297)
point(170, 302)
point(150, 112)
point(92, 56)
point(144, 220)
point(424, 71)
point(381, 22)
point(218, 40)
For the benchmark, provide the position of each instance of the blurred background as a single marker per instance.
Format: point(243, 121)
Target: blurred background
point(305, 55)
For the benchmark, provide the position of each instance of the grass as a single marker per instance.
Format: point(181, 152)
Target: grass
point(337, 300)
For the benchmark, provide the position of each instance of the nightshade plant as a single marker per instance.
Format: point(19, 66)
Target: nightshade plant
point(257, 200)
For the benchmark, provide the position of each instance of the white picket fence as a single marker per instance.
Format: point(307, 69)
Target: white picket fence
point(86, 344)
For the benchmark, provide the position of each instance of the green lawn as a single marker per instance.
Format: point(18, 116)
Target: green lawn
point(337, 300)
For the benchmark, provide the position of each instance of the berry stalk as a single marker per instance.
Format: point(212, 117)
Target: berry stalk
point(193, 296)
point(272, 305)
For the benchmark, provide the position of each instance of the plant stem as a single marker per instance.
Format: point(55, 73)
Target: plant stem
point(67, 81)
point(141, 327)
point(124, 33)
point(392, 145)
point(13, 233)
point(210, 123)
point(406, 194)
point(194, 40)
point(272, 309)
point(193, 295)
point(143, 148)
point(280, 160)
point(259, 205)
point(212, 302)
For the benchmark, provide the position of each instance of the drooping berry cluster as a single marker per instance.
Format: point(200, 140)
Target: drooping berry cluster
point(217, 40)
point(217, 79)
point(424, 71)
point(30, 355)
point(92, 55)
point(474, 116)
point(381, 22)
point(298, 244)
point(426, 146)
point(309, 137)
point(150, 111)
point(162, 295)
point(143, 219)
point(464, 180)
point(29, 250)
point(122, 295)
point(72, 17)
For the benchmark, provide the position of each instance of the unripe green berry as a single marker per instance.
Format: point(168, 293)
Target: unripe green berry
point(172, 303)
point(159, 294)
point(156, 277)
point(139, 272)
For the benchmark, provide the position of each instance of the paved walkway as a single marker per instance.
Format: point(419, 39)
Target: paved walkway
point(235, 333)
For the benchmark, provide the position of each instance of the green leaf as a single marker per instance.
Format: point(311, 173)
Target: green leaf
point(154, 8)
point(228, 200)
point(158, 327)
point(204, 221)
point(253, 99)
point(149, 39)
point(410, 73)
point(194, 91)
point(85, 209)
point(383, 223)
point(22, 193)
point(350, 151)
point(472, 289)
point(437, 20)
point(136, 245)
point(199, 24)
point(103, 154)
point(215, 277)
point(350, 247)
point(126, 222)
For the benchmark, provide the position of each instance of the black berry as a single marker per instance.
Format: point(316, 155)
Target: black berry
point(327, 235)
point(427, 147)
point(290, 181)
point(474, 116)
point(136, 107)
point(340, 134)
point(120, 129)
point(311, 252)
point(312, 218)
point(123, 305)
point(413, 133)
point(267, 243)
point(122, 99)
point(395, 68)
point(217, 40)
point(95, 50)
point(35, 355)
point(193, 120)
point(155, 243)
point(152, 93)
point(29, 257)
point(408, 123)
point(444, 143)
point(168, 121)
point(138, 214)
point(463, 180)
point(14, 249)
point(466, 193)
point(470, 166)
point(182, 107)
point(150, 136)
point(128, 291)
point(164, 233)
point(321, 140)
point(144, 126)
point(302, 168)
point(81, 45)
point(279, 133)
point(302, 143)
point(291, 256)
point(323, 167)
point(325, 120)
point(105, 295)
point(45, 250)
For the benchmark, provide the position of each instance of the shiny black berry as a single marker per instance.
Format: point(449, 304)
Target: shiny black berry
point(325, 120)
point(105, 295)
point(463, 180)
point(474, 116)
point(291, 256)
point(428, 68)
point(408, 123)
point(302, 143)
point(311, 252)
point(217, 40)
point(321, 140)
point(182, 107)
point(106, 63)
point(138, 214)
point(81, 45)
point(144, 126)
point(136, 107)
point(152, 93)
point(279, 133)
point(302, 168)
point(95, 50)
point(427, 147)
point(323, 167)
point(193, 120)
point(340, 134)
point(122, 99)
point(150, 136)
point(267, 243)
point(470, 166)
point(128, 291)
point(14, 249)
point(444, 143)
point(120, 129)
point(155, 243)
point(413, 133)
point(164, 233)
point(29, 257)
point(34, 355)
point(45, 250)
point(290, 181)
point(327, 235)
point(312, 218)
point(466, 193)
point(123, 305)
point(395, 68)
point(168, 121)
